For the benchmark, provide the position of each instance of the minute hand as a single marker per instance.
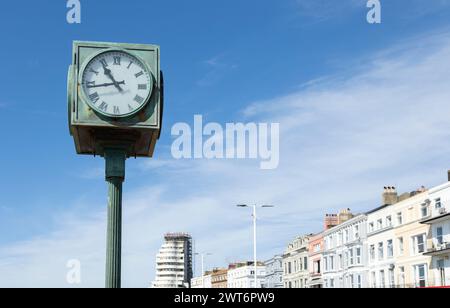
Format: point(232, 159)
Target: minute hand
point(107, 84)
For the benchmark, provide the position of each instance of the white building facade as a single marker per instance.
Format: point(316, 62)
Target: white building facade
point(380, 244)
point(174, 262)
point(204, 282)
point(274, 273)
point(242, 276)
point(439, 244)
point(345, 255)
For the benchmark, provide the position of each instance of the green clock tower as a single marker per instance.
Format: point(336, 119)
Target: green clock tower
point(115, 105)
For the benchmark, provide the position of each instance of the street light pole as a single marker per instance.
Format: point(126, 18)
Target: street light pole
point(254, 246)
point(202, 257)
point(255, 258)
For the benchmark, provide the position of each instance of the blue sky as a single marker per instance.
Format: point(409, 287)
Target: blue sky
point(360, 106)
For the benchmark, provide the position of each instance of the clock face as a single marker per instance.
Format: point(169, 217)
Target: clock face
point(116, 83)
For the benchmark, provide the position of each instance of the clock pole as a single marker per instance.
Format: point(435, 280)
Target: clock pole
point(115, 176)
point(105, 130)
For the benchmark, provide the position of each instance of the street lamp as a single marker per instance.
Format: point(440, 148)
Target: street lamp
point(254, 235)
point(202, 255)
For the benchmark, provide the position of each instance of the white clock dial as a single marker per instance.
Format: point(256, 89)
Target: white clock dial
point(116, 84)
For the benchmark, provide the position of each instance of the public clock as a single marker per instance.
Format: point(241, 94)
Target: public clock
point(116, 83)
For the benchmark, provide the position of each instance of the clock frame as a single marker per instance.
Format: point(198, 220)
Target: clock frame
point(145, 67)
point(93, 131)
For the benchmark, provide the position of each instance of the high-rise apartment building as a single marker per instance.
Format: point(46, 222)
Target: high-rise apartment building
point(174, 262)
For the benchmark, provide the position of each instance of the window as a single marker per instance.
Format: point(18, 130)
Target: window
point(305, 262)
point(351, 256)
point(390, 249)
point(419, 244)
point(317, 267)
point(358, 255)
point(371, 227)
point(331, 283)
point(437, 203)
point(380, 251)
point(347, 236)
point(359, 282)
point(356, 232)
point(441, 269)
point(401, 247)
point(341, 262)
point(439, 235)
point(325, 262)
point(389, 221)
point(332, 263)
point(399, 218)
point(374, 280)
point(382, 279)
point(372, 252)
point(401, 276)
point(380, 224)
point(391, 278)
point(424, 210)
point(420, 272)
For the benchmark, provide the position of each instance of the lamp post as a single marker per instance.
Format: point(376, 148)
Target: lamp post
point(255, 260)
point(202, 256)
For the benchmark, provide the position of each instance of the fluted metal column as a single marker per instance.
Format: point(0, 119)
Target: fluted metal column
point(115, 175)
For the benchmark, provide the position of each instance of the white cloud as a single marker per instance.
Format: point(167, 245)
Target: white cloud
point(342, 140)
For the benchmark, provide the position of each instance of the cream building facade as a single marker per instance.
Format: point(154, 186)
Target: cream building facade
point(398, 241)
point(295, 263)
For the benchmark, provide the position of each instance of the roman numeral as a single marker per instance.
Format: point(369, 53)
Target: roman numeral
point(116, 110)
point(90, 83)
point(142, 87)
point(103, 62)
point(130, 108)
point(103, 106)
point(139, 99)
point(129, 65)
point(93, 71)
point(117, 60)
point(94, 97)
point(139, 74)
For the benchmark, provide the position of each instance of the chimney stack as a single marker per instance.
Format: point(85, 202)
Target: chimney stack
point(390, 195)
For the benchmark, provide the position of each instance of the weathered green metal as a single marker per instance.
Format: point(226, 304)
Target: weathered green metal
point(114, 138)
point(85, 123)
point(115, 176)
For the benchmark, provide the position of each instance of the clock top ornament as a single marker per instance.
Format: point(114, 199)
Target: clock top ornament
point(115, 96)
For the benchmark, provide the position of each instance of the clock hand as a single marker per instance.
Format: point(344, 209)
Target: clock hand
point(106, 84)
point(108, 73)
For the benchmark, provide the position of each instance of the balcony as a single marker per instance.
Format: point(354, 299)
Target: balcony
point(438, 250)
point(437, 219)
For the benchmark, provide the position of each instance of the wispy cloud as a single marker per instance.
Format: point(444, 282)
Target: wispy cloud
point(322, 10)
point(216, 68)
point(342, 140)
